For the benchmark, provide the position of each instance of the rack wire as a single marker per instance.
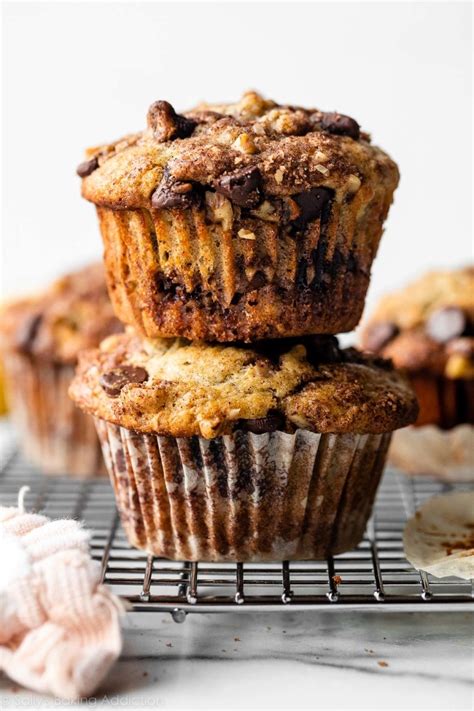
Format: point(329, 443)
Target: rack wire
point(374, 576)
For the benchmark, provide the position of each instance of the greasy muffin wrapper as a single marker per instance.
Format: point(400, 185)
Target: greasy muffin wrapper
point(428, 450)
point(243, 497)
point(54, 434)
point(439, 538)
point(173, 272)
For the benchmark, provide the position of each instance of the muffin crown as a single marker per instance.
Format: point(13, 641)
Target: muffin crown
point(72, 314)
point(181, 389)
point(244, 151)
point(428, 325)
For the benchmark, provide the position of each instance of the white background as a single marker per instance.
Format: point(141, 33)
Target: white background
point(77, 74)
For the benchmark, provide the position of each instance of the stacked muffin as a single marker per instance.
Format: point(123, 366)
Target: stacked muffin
point(40, 338)
point(233, 234)
point(427, 329)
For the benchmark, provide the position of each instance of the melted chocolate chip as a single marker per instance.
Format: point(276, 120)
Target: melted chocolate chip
point(171, 193)
point(243, 187)
point(379, 334)
point(26, 333)
point(273, 421)
point(87, 167)
point(115, 380)
point(311, 205)
point(323, 349)
point(166, 124)
point(340, 125)
point(446, 323)
point(258, 280)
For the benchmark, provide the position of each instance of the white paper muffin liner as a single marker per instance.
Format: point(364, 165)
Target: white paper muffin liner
point(429, 450)
point(54, 434)
point(243, 497)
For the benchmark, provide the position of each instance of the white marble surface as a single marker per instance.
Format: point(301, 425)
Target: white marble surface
point(287, 660)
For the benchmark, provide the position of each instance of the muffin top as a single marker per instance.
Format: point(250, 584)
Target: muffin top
point(178, 388)
point(72, 314)
point(428, 325)
point(244, 151)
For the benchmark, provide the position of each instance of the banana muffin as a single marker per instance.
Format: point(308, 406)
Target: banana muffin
point(223, 452)
point(239, 222)
point(427, 329)
point(40, 338)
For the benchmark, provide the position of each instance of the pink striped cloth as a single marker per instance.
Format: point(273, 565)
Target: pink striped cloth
point(59, 627)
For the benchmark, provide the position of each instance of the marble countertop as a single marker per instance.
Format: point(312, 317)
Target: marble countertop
point(303, 660)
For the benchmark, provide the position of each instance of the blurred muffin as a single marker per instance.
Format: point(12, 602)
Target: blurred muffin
point(427, 329)
point(268, 452)
point(40, 338)
point(3, 396)
point(239, 222)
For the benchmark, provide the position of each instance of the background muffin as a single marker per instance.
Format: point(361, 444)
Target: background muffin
point(427, 329)
point(40, 338)
point(217, 452)
point(240, 221)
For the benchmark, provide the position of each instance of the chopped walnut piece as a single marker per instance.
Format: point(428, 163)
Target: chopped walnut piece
point(322, 169)
point(246, 234)
point(279, 174)
point(266, 211)
point(252, 104)
point(219, 209)
point(353, 184)
point(244, 143)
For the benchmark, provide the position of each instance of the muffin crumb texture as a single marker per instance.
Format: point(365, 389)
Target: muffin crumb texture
point(211, 390)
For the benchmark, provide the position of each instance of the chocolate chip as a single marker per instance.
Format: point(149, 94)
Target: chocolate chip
point(311, 205)
point(243, 187)
point(258, 280)
point(340, 125)
point(87, 167)
point(115, 380)
point(166, 124)
point(323, 349)
point(379, 334)
point(446, 323)
point(26, 333)
point(172, 193)
point(273, 421)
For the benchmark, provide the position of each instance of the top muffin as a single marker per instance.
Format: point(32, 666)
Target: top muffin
point(73, 313)
point(428, 326)
point(240, 221)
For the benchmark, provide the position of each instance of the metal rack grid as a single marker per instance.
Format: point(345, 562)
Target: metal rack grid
point(375, 576)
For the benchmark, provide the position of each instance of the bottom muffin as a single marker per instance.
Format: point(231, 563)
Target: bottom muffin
point(242, 454)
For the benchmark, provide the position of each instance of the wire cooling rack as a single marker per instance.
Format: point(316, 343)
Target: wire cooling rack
point(375, 576)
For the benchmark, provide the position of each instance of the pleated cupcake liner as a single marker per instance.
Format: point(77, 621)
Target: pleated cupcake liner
point(243, 497)
point(174, 273)
point(54, 434)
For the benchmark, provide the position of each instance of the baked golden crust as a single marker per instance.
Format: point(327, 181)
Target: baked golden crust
point(181, 389)
point(258, 223)
point(289, 145)
point(428, 326)
point(72, 314)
